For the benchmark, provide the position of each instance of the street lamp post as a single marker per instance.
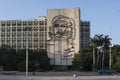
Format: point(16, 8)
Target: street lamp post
point(98, 56)
point(93, 58)
point(26, 51)
point(27, 29)
point(110, 62)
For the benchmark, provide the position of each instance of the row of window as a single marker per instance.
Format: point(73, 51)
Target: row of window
point(22, 27)
point(85, 23)
point(24, 34)
point(24, 43)
point(3, 30)
point(24, 23)
point(85, 30)
point(24, 39)
point(24, 47)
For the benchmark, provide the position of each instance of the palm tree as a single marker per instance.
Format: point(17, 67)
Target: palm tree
point(106, 44)
point(93, 43)
point(99, 40)
point(99, 43)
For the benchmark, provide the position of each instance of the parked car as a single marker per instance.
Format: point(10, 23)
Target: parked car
point(8, 73)
point(107, 72)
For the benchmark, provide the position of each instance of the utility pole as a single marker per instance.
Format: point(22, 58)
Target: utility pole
point(110, 57)
point(98, 56)
point(27, 29)
point(26, 51)
point(93, 58)
point(103, 58)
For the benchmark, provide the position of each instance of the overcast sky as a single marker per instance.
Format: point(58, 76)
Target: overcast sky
point(104, 15)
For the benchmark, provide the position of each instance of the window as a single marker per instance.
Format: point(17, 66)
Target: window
point(3, 29)
point(8, 24)
point(41, 23)
point(18, 24)
point(13, 23)
point(24, 23)
point(13, 28)
point(30, 23)
point(3, 24)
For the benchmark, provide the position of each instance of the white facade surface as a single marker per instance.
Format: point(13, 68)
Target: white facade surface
point(63, 27)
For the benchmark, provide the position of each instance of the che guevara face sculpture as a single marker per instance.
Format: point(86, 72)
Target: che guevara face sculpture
point(62, 28)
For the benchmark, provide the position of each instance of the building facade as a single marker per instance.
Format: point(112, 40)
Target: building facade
point(63, 26)
point(13, 33)
point(62, 33)
point(84, 34)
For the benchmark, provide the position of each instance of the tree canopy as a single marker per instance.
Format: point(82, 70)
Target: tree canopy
point(10, 59)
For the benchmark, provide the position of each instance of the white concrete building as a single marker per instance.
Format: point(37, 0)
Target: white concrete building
point(13, 33)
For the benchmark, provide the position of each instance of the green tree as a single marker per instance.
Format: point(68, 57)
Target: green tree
point(76, 63)
point(42, 59)
point(117, 64)
point(8, 58)
point(116, 57)
point(83, 60)
point(38, 60)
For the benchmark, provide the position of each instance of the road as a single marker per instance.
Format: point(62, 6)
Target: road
point(59, 76)
point(70, 73)
point(22, 77)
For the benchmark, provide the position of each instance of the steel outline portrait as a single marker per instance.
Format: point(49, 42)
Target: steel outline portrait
point(62, 27)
